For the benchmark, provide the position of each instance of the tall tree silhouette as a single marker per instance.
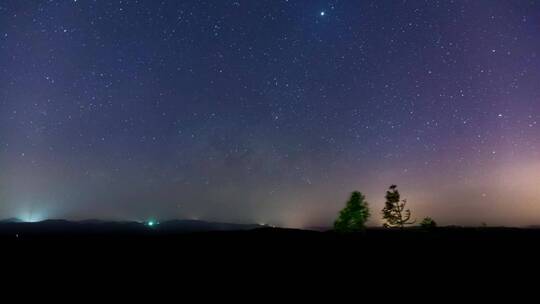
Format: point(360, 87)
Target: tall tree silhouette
point(394, 212)
point(354, 216)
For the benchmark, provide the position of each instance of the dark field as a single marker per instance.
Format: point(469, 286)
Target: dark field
point(256, 252)
point(187, 237)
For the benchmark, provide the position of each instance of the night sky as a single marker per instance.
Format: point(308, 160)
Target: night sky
point(269, 111)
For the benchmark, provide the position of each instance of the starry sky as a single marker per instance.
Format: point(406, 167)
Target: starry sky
point(269, 111)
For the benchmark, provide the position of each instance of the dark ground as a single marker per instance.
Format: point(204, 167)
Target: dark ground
point(111, 252)
point(237, 240)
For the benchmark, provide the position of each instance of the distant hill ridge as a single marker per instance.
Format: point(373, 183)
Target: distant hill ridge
point(166, 226)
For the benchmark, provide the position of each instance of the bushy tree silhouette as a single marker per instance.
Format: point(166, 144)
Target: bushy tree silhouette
point(428, 223)
point(354, 216)
point(394, 212)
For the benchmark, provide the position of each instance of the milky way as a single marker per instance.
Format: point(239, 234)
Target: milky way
point(269, 111)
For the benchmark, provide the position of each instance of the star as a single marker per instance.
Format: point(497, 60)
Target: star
point(323, 13)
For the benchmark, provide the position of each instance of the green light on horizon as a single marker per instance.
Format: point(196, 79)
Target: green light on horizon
point(151, 223)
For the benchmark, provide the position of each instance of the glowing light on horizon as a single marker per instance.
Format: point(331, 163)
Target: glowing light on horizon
point(152, 223)
point(31, 218)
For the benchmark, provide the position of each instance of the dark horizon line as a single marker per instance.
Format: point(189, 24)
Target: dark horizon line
point(15, 220)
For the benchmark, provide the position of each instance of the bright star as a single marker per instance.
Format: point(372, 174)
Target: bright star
point(322, 13)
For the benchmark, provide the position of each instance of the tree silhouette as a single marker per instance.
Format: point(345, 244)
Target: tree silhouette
point(394, 211)
point(428, 223)
point(354, 216)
